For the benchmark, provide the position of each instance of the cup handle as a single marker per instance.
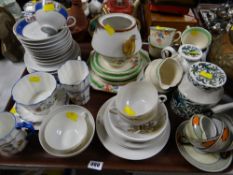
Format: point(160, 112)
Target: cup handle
point(27, 125)
point(73, 23)
point(168, 52)
point(178, 33)
point(162, 98)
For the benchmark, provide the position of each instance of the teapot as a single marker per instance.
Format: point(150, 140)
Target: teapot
point(200, 90)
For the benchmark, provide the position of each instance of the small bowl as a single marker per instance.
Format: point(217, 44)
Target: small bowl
point(35, 92)
point(66, 130)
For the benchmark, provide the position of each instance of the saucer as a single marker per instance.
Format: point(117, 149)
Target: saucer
point(142, 133)
point(90, 134)
point(209, 162)
point(124, 152)
point(130, 65)
point(61, 99)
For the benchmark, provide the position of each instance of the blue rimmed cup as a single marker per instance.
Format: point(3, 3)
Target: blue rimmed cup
point(12, 136)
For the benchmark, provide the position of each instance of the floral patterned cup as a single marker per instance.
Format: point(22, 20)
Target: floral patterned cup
point(163, 36)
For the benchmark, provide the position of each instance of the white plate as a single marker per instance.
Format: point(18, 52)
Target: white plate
point(29, 62)
point(209, 162)
point(118, 125)
point(61, 99)
point(80, 148)
point(123, 152)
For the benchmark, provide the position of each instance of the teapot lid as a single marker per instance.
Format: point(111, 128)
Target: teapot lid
point(206, 75)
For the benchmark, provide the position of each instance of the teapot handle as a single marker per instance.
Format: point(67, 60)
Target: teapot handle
point(222, 108)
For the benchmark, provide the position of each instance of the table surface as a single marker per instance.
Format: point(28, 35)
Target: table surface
point(168, 160)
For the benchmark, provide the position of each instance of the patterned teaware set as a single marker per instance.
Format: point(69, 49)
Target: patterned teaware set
point(204, 139)
point(134, 124)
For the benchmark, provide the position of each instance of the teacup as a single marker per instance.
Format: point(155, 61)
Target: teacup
point(199, 37)
point(52, 21)
point(74, 78)
point(200, 131)
point(35, 92)
point(137, 102)
point(163, 36)
point(12, 138)
point(66, 130)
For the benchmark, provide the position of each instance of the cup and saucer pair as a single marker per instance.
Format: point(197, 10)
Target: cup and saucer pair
point(36, 119)
point(206, 161)
point(120, 144)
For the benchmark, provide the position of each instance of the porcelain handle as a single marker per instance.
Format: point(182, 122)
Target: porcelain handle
point(222, 108)
point(162, 98)
point(168, 52)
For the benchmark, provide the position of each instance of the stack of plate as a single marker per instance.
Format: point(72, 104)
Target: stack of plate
point(45, 52)
point(105, 77)
point(128, 141)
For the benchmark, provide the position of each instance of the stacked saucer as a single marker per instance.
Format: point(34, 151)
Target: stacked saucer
point(134, 124)
point(106, 77)
point(45, 52)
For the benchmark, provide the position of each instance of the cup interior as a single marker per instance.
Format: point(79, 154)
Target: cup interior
point(136, 99)
point(64, 133)
point(73, 72)
point(170, 73)
point(196, 36)
point(34, 88)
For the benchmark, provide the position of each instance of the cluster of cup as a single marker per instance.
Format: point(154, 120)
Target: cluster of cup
point(13, 136)
point(37, 92)
point(161, 37)
point(135, 114)
point(208, 134)
point(67, 131)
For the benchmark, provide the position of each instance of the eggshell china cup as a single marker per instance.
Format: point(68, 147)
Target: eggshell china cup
point(74, 78)
point(137, 102)
point(35, 92)
point(116, 36)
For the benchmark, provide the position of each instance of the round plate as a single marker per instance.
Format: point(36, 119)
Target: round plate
point(91, 131)
point(209, 162)
point(123, 152)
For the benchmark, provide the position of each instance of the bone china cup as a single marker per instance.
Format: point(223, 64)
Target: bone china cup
point(117, 36)
point(74, 78)
point(35, 92)
point(66, 130)
point(12, 138)
point(138, 101)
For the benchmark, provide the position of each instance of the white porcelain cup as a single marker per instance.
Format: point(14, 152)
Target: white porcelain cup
point(66, 130)
point(53, 20)
point(138, 101)
point(74, 78)
point(12, 137)
point(35, 92)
